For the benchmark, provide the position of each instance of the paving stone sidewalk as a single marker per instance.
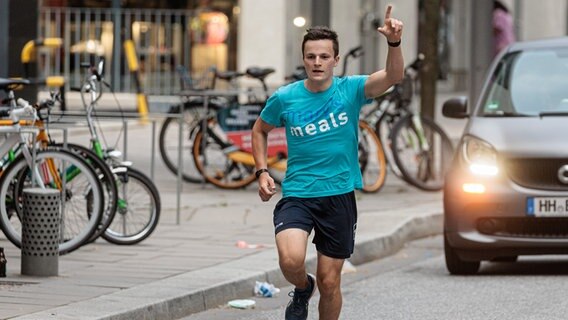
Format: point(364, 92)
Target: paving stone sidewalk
point(195, 265)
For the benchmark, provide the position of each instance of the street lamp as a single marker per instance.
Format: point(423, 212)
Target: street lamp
point(299, 21)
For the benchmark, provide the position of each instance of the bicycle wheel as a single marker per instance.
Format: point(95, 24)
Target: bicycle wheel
point(383, 129)
point(81, 198)
point(107, 179)
point(169, 142)
point(371, 159)
point(425, 169)
point(212, 161)
point(138, 209)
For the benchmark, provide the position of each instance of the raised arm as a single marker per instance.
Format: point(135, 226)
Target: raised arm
point(380, 81)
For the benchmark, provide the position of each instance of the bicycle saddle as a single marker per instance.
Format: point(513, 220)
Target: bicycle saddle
point(228, 75)
point(259, 73)
point(9, 84)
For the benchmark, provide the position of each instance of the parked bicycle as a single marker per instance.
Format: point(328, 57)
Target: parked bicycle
point(417, 148)
point(131, 200)
point(105, 175)
point(138, 200)
point(230, 164)
point(81, 191)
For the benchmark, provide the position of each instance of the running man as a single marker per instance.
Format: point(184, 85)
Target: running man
point(321, 117)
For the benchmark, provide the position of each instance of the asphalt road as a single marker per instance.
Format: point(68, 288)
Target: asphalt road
point(414, 284)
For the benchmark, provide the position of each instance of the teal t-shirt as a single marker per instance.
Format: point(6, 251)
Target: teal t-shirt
point(322, 136)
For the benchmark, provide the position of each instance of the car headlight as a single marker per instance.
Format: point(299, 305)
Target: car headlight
point(480, 157)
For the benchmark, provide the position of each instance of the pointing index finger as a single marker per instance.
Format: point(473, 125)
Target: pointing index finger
point(388, 13)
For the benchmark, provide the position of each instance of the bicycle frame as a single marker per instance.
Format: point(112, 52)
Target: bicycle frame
point(401, 95)
point(417, 123)
point(41, 138)
point(15, 139)
point(236, 154)
point(93, 85)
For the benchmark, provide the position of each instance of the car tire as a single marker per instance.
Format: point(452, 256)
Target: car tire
point(455, 264)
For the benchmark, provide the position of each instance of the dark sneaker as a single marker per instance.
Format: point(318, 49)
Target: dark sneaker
point(297, 309)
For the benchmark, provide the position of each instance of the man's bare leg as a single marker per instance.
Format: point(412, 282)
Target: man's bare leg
point(291, 244)
point(329, 285)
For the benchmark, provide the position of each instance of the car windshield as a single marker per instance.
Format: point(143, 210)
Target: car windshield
point(529, 83)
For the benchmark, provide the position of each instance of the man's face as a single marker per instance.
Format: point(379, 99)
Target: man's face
point(319, 60)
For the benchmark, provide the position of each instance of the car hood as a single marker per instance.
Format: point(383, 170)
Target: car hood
point(544, 137)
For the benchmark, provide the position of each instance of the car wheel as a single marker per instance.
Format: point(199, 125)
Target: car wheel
point(455, 265)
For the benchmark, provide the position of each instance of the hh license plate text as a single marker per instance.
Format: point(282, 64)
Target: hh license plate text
point(547, 206)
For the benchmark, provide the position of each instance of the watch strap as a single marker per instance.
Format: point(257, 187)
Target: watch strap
point(260, 171)
point(394, 44)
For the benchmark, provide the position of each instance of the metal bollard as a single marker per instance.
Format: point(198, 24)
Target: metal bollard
point(40, 232)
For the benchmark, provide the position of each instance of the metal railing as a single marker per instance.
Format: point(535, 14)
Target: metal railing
point(162, 39)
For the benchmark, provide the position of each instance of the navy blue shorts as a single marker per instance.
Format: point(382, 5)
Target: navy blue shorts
point(333, 218)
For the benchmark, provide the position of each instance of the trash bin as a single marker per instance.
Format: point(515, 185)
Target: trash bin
point(40, 232)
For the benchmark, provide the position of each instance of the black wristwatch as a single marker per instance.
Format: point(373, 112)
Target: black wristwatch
point(394, 44)
point(260, 171)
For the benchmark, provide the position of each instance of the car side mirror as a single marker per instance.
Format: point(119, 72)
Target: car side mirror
point(455, 108)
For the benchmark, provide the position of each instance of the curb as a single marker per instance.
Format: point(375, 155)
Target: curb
point(413, 228)
point(200, 290)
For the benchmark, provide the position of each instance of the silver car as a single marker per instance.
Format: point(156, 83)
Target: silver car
point(506, 193)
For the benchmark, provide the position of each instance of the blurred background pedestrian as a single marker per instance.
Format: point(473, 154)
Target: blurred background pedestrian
point(503, 29)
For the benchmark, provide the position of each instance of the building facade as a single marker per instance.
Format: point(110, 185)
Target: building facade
point(236, 34)
point(267, 26)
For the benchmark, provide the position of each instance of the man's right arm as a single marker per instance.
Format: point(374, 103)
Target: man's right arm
point(260, 130)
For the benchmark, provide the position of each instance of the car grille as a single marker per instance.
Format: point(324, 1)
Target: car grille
point(537, 173)
point(524, 227)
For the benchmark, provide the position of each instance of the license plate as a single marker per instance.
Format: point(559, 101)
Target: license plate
point(547, 206)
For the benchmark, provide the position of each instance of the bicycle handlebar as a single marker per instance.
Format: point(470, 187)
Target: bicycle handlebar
point(356, 52)
point(97, 70)
point(46, 104)
point(25, 110)
point(416, 64)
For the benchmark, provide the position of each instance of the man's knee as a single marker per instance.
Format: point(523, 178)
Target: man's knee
point(291, 262)
point(329, 283)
